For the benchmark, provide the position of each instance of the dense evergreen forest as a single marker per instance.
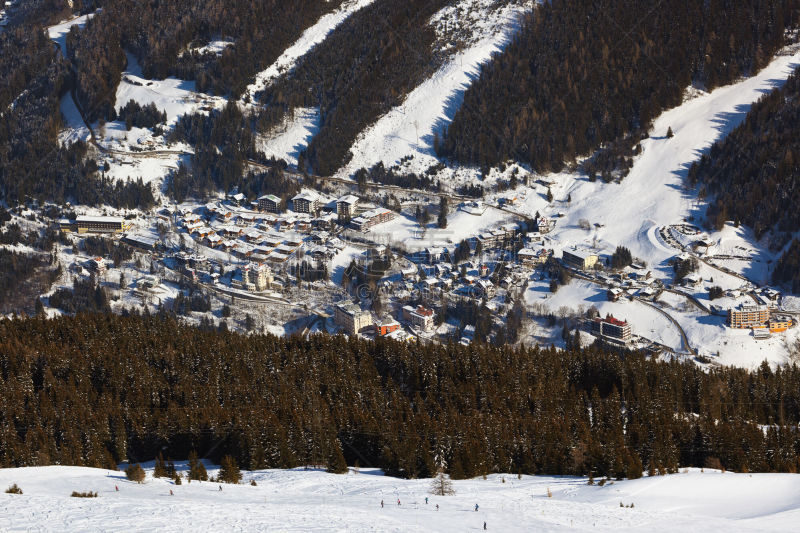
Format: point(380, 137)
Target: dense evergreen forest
point(585, 73)
point(99, 389)
point(32, 163)
point(223, 144)
point(362, 69)
point(164, 36)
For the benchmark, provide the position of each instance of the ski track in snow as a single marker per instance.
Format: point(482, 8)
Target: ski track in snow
point(310, 38)
point(297, 500)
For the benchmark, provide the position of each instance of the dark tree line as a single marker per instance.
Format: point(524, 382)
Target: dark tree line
point(585, 73)
point(99, 389)
point(223, 144)
point(161, 34)
point(359, 72)
point(787, 270)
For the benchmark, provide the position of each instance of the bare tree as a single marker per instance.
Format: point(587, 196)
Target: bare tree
point(441, 485)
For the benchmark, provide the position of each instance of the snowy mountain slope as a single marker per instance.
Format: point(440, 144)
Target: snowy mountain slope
point(410, 128)
point(653, 193)
point(653, 196)
point(299, 500)
point(310, 38)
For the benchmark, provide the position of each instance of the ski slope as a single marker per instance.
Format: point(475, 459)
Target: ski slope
point(297, 500)
point(310, 38)
point(58, 33)
point(409, 129)
point(653, 194)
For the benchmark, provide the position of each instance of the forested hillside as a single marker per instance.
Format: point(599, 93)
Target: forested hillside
point(32, 164)
point(753, 176)
point(99, 389)
point(163, 35)
point(364, 68)
point(584, 73)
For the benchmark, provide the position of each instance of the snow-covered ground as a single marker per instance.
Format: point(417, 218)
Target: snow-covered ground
point(58, 33)
point(653, 194)
point(409, 129)
point(461, 225)
point(289, 138)
point(297, 500)
point(174, 96)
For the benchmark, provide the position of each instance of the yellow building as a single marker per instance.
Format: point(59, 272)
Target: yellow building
point(748, 316)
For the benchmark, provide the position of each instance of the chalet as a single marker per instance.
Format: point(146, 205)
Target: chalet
point(543, 225)
point(434, 254)
point(613, 294)
point(293, 239)
point(242, 250)
point(483, 288)
point(98, 265)
point(204, 232)
point(213, 240)
point(245, 219)
point(231, 231)
point(269, 203)
point(238, 198)
point(692, 280)
point(253, 236)
point(409, 272)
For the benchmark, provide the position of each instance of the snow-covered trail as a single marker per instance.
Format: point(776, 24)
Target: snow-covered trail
point(58, 33)
point(409, 129)
point(653, 194)
point(310, 38)
point(297, 500)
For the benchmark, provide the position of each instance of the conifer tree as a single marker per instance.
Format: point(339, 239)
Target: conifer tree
point(160, 468)
point(135, 473)
point(229, 471)
point(197, 471)
point(336, 463)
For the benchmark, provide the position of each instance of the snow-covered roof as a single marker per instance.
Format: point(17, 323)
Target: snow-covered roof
point(348, 199)
point(93, 219)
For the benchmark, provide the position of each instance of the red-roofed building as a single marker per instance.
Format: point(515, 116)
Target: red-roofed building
point(611, 327)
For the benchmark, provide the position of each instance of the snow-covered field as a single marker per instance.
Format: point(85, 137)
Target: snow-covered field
point(58, 33)
point(297, 500)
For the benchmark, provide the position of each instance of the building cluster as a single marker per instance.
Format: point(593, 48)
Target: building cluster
point(352, 319)
point(758, 317)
